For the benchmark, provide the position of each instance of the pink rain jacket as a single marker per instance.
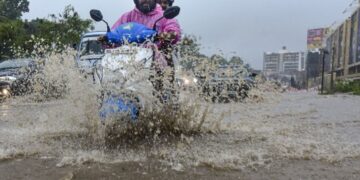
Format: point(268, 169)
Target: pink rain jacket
point(164, 25)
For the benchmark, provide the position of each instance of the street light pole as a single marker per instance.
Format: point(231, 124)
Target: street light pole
point(332, 69)
point(323, 53)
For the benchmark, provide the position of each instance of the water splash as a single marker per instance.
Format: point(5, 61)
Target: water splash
point(63, 123)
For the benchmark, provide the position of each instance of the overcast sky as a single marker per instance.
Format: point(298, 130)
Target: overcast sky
point(246, 28)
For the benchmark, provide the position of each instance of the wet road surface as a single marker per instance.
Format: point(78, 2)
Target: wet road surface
point(289, 136)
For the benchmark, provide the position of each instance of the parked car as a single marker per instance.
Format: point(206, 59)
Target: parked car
point(15, 75)
point(90, 52)
point(4, 90)
point(223, 88)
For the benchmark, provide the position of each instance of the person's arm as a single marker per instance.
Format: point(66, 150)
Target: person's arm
point(105, 39)
point(123, 19)
point(171, 32)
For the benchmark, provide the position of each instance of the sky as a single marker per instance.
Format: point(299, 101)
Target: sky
point(246, 28)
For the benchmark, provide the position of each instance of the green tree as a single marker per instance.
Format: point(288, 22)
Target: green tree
point(218, 59)
point(13, 36)
point(247, 67)
point(189, 46)
point(189, 51)
point(54, 33)
point(59, 31)
point(70, 26)
point(236, 60)
point(13, 9)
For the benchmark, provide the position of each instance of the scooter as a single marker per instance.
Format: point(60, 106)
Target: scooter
point(124, 71)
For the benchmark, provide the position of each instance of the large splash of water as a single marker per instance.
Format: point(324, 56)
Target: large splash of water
point(60, 120)
point(60, 116)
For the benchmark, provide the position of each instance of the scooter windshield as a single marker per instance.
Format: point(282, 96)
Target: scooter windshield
point(130, 33)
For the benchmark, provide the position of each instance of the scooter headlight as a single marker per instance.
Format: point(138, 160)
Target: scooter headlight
point(186, 81)
point(5, 92)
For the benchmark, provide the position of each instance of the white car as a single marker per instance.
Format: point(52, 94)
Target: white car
point(90, 52)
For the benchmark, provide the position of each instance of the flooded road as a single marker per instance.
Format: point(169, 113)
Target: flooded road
point(288, 136)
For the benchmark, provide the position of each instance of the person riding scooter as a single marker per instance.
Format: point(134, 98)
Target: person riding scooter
point(126, 71)
point(146, 12)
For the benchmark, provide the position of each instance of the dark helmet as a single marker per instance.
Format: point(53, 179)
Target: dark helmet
point(145, 10)
point(170, 2)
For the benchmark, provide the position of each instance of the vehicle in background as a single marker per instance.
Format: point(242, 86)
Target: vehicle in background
point(5, 91)
point(15, 75)
point(90, 52)
point(226, 84)
point(186, 81)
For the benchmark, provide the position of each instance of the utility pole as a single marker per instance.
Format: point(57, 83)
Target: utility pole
point(307, 70)
point(332, 69)
point(323, 54)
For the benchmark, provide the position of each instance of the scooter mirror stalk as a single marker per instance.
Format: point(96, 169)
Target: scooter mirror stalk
point(97, 16)
point(170, 13)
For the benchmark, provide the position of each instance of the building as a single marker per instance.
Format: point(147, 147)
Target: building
point(271, 63)
point(285, 66)
point(283, 62)
point(343, 45)
point(293, 62)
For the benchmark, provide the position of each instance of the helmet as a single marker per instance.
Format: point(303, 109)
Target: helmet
point(145, 10)
point(171, 2)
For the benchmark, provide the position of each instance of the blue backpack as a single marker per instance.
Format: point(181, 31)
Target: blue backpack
point(131, 33)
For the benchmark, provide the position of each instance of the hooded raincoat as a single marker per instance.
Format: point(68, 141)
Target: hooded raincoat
point(164, 25)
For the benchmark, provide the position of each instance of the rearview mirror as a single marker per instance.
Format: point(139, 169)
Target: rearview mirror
point(172, 12)
point(96, 15)
point(169, 13)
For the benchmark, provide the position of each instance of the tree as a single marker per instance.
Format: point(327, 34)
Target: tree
point(247, 67)
point(218, 59)
point(12, 34)
point(70, 26)
point(55, 33)
point(189, 51)
point(62, 30)
point(13, 9)
point(236, 60)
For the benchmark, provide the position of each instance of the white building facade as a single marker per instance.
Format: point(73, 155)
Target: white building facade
point(283, 62)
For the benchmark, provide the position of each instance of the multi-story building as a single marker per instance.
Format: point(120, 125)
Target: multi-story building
point(293, 62)
point(283, 62)
point(271, 63)
point(343, 45)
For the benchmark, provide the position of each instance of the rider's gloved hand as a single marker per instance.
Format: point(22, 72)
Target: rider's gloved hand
point(103, 40)
point(167, 37)
point(166, 40)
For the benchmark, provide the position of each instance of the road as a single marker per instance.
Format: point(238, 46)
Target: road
point(299, 135)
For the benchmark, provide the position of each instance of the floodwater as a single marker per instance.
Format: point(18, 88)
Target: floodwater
point(298, 135)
